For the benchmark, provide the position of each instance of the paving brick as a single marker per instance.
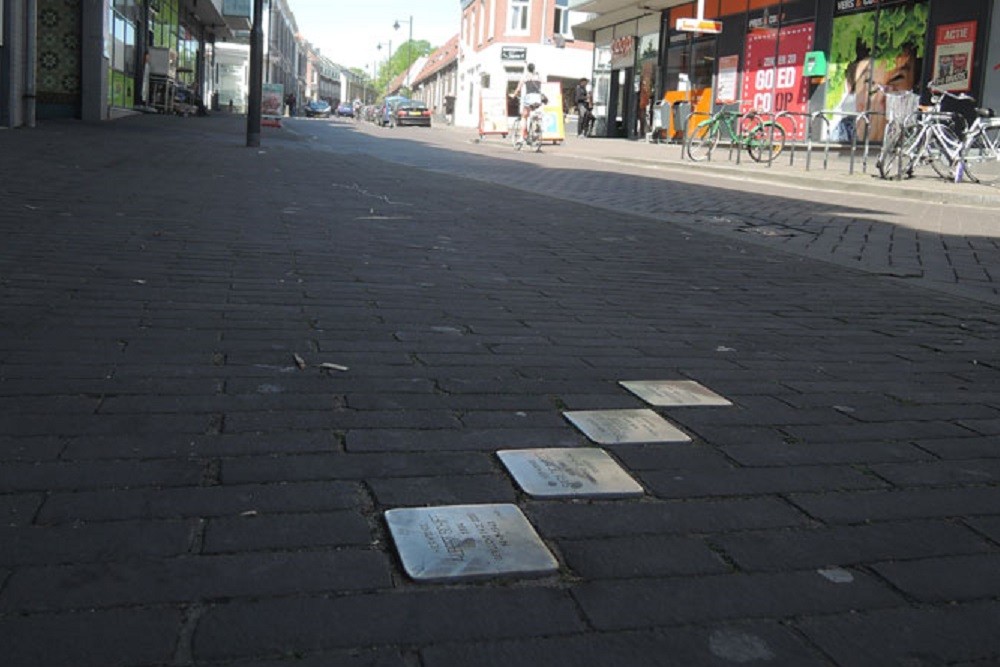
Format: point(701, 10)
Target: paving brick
point(576, 520)
point(80, 424)
point(862, 506)
point(193, 578)
point(926, 636)
point(182, 502)
point(972, 447)
point(31, 449)
point(899, 431)
point(941, 473)
point(722, 644)
point(341, 466)
point(91, 638)
point(171, 446)
point(696, 456)
point(947, 579)
point(86, 543)
point(415, 440)
point(286, 532)
point(988, 525)
point(819, 547)
point(803, 454)
point(643, 603)
point(443, 489)
point(407, 617)
point(19, 509)
point(256, 422)
point(640, 556)
point(363, 657)
point(754, 481)
point(94, 475)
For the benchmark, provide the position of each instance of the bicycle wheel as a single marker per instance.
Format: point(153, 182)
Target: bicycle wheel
point(535, 136)
point(895, 159)
point(703, 140)
point(941, 151)
point(765, 141)
point(515, 134)
point(981, 147)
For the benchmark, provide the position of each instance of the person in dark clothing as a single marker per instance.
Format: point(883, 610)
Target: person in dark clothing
point(581, 98)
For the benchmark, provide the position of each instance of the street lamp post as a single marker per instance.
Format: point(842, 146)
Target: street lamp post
point(388, 58)
point(409, 47)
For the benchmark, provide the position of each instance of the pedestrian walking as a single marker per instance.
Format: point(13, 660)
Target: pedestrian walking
point(581, 98)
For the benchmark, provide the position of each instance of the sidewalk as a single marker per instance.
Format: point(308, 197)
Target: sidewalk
point(790, 169)
point(221, 366)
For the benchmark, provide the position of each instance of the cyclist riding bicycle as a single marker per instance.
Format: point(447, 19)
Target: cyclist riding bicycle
point(531, 85)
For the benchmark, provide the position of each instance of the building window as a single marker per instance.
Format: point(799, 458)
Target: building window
point(560, 22)
point(520, 11)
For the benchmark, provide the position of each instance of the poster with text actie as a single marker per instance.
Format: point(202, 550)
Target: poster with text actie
point(953, 50)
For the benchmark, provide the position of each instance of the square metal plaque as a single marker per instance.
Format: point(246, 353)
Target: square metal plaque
point(619, 427)
point(461, 542)
point(666, 393)
point(585, 472)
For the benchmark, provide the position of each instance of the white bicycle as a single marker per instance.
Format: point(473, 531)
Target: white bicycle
point(533, 139)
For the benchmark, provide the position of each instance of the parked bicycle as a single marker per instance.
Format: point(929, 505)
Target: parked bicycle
point(981, 143)
point(762, 139)
point(936, 136)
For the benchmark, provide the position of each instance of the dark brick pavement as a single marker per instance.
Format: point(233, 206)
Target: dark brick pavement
point(176, 490)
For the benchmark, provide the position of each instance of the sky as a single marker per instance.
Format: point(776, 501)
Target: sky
point(347, 31)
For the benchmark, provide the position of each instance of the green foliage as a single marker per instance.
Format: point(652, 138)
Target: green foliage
point(407, 53)
point(898, 28)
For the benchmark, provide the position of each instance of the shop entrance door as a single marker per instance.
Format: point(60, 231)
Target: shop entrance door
point(621, 103)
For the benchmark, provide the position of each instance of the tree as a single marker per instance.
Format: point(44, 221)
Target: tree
point(407, 53)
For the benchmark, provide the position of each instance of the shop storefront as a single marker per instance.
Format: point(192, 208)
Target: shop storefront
point(94, 56)
point(758, 61)
point(626, 70)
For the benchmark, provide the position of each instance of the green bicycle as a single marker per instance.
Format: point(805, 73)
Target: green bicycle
point(762, 139)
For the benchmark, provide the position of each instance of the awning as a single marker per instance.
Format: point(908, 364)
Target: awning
point(613, 12)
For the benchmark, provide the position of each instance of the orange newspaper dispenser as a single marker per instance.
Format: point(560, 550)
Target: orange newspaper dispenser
point(493, 115)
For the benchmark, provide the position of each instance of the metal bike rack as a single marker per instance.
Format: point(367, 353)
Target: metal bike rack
point(686, 138)
point(821, 115)
point(797, 123)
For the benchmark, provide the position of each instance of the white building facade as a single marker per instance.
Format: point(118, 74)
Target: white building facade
point(499, 38)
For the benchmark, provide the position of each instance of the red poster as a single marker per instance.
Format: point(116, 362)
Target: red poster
point(953, 51)
point(772, 76)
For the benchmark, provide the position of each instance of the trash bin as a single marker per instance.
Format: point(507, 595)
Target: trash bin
point(661, 122)
point(681, 112)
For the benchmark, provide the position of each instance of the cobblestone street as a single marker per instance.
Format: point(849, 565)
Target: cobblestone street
point(220, 367)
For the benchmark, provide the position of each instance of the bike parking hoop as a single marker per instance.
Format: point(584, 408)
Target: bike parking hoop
point(686, 129)
point(825, 132)
point(797, 123)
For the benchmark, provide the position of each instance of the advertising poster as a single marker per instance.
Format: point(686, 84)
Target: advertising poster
point(772, 76)
point(725, 88)
point(553, 125)
point(861, 61)
point(272, 99)
point(953, 56)
point(492, 114)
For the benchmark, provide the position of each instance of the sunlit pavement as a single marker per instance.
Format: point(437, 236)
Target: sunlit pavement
point(941, 234)
point(221, 366)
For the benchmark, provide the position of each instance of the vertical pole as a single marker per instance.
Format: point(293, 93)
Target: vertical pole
point(31, 59)
point(256, 80)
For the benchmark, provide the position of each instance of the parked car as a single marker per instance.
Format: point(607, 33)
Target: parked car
point(317, 109)
point(413, 112)
point(345, 110)
point(387, 113)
